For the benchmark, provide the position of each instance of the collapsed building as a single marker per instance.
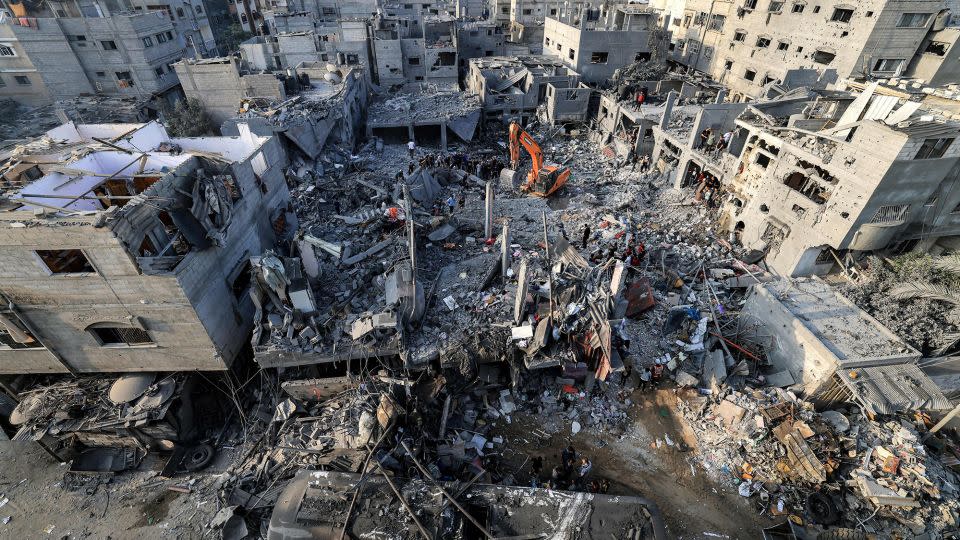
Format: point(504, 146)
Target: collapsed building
point(514, 87)
point(815, 177)
point(125, 249)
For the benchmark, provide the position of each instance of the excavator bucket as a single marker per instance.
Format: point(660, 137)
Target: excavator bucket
point(548, 181)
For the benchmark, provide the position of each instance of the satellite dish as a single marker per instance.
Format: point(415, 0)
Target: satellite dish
point(129, 387)
point(157, 395)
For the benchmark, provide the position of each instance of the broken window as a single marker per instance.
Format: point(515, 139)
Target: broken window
point(716, 23)
point(825, 256)
point(740, 35)
point(816, 9)
point(109, 45)
point(446, 58)
point(823, 57)
point(938, 48)
point(124, 78)
point(841, 15)
point(763, 42)
point(572, 54)
point(799, 210)
point(767, 80)
point(112, 336)
point(890, 214)
point(598, 58)
point(888, 64)
point(934, 148)
point(240, 280)
point(641, 57)
point(763, 160)
point(913, 20)
point(797, 8)
point(782, 46)
point(749, 74)
point(328, 11)
point(546, 41)
point(65, 261)
point(750, 4)
point(728, 65)
point(775, 7)
point(528, 12)
point(700, 19)
point(559, 46)
point(414, 60)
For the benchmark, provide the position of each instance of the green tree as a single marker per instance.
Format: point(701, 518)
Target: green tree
point(188, 118)
point(944, 288)
point(232, 37)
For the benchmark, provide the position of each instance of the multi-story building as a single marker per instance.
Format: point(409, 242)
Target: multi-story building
point(67, 49)
point(811, 179)
point(478, 39)
point(602, 40)
point(124, 249)
point(751, 43)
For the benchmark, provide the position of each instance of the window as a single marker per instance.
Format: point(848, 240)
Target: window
point(767, 80)
point(869, 14)
point(750, 4)
point(505, 10)
point(888, 64)
point(528, 12)
point(124, 78)
point(546, 41)
point(841, 15)
point(113, 336)
point(890, 214)
point(599, 58)
point(749, 74)
point(641, 57)
point(169, 35)
point(913, 20)
point(716, 23)
point(782, 46)
point(763, 42)
point(775, 7)
point(559, 46)
point(22, 80)
point(488, 53)
point(414, 60)
point(700, 19)
point(65, 261)
point(6, 50)
point(199, 8)
point(159, 71)
point(797, 8)
point(77, 38)
point(101, 74)
point(728, 65)
point(109, 45)
point(572, 54)
point(353, 59)
point(161, 38)
point(740, 35)
point(148, 41)
point(823, 57)
point(180, 12)
point(933, 148)
point(553, 11)
point(328, 11)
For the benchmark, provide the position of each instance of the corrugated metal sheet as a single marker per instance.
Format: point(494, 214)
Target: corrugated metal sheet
point(893, 388)
point(880, 107)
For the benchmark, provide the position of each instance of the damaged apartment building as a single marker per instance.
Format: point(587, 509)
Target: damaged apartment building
point(814, 176)
point(124, 249)
point(514, 88)
point(750, 44)
point(604, 39)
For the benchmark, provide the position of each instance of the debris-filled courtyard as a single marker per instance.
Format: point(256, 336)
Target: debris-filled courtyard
point(391, 271)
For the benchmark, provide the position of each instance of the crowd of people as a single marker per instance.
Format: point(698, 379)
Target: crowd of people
point(573, 473)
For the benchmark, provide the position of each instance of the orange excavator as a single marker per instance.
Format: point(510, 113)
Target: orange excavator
point(543, 178)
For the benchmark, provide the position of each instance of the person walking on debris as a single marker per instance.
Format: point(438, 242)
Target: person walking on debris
point(451, 204)
point(657, 373)
point(399, 177)
point(536, 468)
point(645, 377)
point(586, 236)
point(625, 375)
point(644, 164)
point(582, 471)
point(411, 168)
point(704, 136)
point(461, 201)
point(411, 147)
point(568, 457)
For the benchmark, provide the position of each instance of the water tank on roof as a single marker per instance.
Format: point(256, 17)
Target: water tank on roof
point(333, 78)
point(332, 68)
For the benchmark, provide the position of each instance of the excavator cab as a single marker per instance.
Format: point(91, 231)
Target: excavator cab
point(544, 178)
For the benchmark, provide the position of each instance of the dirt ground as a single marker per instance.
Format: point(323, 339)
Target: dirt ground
point(692, 505)
point(134, 505)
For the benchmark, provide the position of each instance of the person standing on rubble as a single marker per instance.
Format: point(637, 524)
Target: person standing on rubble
point(582, 471)
point(411, 147)
point(586, 236)
point(644, 164)
point(645, 377)
point(657, 373)
point(536, 468)
point(451, 204)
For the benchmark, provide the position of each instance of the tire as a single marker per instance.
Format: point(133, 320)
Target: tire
point(198, 457)
point(842, 534)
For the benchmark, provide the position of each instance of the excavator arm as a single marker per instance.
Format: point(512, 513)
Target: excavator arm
point(542, 180)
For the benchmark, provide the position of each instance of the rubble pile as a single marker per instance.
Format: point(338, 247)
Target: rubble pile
point(835, 468)
point(20, 122)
